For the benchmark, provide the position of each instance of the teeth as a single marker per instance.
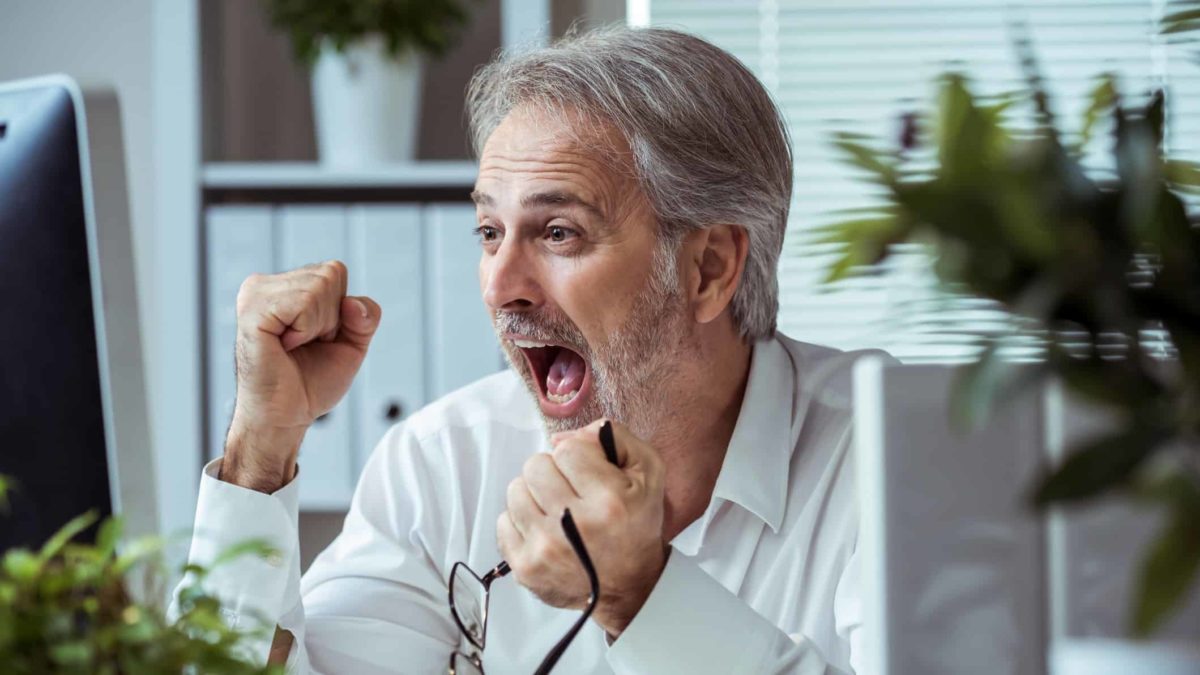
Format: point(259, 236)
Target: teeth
point(529, 344)
point(561, 398)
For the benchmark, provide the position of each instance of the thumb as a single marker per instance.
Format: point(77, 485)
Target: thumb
point(360, 317)
point(632, 452)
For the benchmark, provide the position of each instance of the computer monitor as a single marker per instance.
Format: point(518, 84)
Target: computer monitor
point(958, 573)
point(73, 428)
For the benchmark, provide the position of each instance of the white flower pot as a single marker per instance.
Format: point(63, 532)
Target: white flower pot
point(1096, 656)
point(366, 105)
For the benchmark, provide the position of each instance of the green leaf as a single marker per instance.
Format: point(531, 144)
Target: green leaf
point(990, 379)
point(7, 484)
point(860, 230)
point(73, 654)
point(108, 536)
point(1182, 26)
point(260, 548)
point(21, 565)
point(1170, 567)
point(138, 551)
point(865, 158)
point(66, 533)
point(429, 26)
point(969, 137)
point(1102, 99)
point(1182, 173)
point(1182, 14)
point(1098, 465)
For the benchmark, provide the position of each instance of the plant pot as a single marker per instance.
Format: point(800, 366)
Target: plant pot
point(366, 105)
point(1099, 656)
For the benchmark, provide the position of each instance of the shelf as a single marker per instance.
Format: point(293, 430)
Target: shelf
point(309, 182)
point(309, 175)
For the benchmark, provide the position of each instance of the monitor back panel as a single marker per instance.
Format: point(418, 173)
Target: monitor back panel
point(52, 438)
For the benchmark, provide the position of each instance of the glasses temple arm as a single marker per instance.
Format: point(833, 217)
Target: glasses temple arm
point(495, 573)
point(572, 533)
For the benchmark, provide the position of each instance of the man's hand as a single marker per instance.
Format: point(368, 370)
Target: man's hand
point(619, 512)
point(300, 341)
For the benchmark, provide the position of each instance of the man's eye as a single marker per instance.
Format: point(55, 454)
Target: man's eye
point(487, 233)
point(559, 234)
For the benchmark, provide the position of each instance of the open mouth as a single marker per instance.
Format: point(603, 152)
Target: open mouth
point(562, 375)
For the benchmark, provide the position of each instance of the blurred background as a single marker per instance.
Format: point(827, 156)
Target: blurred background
point(262, 135)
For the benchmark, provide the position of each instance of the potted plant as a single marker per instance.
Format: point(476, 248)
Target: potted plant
point(1090, 267)
point(70, 608)
point(367, 59)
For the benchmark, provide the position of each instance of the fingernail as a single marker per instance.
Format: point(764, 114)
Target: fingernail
point(362, 308)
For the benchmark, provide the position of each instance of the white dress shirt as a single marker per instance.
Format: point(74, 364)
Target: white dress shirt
point(762, 582)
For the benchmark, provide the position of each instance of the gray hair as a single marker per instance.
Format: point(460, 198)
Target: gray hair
point(708, 144)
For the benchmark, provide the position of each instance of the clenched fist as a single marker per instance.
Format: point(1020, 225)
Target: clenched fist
point(300, 341)
point(619, 513)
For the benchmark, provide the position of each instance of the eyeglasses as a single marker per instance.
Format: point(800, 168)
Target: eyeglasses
point(469, 606)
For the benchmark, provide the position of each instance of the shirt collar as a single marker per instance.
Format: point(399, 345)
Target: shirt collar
point(754, 474)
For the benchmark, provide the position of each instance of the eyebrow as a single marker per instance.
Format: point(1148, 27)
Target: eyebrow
point(551, 198)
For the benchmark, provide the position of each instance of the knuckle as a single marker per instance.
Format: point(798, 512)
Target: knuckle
point(331, 273)
point(516, 487)
point(322, 283)
point(504, 535)
point(336, 267)
point(567, 449)
point(534, 464)
point(247, 291)
point(308, 297)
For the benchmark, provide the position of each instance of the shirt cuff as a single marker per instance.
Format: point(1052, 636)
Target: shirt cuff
point(692, 624)
point(255, 591)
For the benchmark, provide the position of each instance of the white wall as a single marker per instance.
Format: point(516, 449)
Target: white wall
point(106, 42)
point(110, 43)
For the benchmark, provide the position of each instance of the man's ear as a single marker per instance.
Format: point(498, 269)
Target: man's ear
point(716, 257)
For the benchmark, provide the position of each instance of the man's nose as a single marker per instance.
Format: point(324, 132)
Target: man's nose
point(507, 279)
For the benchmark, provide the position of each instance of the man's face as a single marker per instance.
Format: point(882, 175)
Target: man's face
point(583, 296)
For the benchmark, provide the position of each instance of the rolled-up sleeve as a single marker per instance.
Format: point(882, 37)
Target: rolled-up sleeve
point(691, 623)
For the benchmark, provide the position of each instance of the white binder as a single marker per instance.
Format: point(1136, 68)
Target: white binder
point(386, 253)
point(239, 243)
point(462, 346)
point(309, 234)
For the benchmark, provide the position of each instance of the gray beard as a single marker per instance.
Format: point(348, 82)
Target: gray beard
point(631, 373)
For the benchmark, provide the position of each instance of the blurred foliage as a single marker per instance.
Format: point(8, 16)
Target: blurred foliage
point(1096, 261)
point(426, 26)
point(66, 608)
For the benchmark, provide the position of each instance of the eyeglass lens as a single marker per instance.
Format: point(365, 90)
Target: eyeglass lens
point(468, 603)
point(464, 664)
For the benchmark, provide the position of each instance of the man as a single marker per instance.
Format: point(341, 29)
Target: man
point(632, 199)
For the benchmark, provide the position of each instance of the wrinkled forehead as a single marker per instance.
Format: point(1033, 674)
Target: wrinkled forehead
point(535, 148)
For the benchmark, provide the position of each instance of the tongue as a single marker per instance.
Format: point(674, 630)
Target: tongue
point(566, 373)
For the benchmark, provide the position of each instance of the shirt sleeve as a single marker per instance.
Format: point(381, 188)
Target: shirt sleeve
point(691, 623)
point(374, 602)
point(254, 591)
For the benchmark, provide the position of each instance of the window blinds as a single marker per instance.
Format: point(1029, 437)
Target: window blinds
point(857, 66)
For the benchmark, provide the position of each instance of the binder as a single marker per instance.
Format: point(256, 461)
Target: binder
point(308, 234)
point(238, 244)
point(386, 263)
point(462, 345)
